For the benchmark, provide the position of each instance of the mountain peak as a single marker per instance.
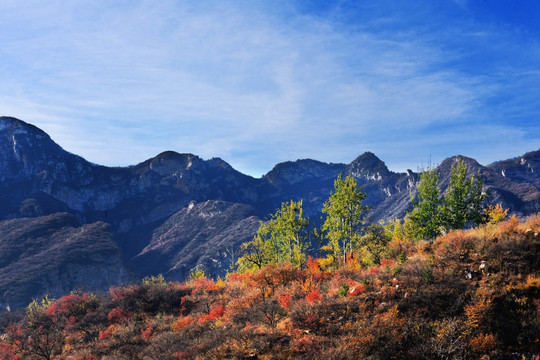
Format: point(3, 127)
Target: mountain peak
point(472, 164)
point(170, 161)
point(368, 160)
point(25, 149)
point(293, 172)
point(11, 124)
point(368, 166)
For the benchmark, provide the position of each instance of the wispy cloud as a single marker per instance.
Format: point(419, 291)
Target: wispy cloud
point(256, 83)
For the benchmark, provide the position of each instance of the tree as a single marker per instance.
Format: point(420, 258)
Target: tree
point(424, 220)
point(345, 214)
point(494, 214)
point(40, 335)
point(373, 244)
point(460, 205)
point(284, 238)
point(463, 199)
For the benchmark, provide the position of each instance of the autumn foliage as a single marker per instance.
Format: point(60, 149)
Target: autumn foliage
point(470, 294)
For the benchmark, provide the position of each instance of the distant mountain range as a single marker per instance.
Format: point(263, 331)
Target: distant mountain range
point(66, 223)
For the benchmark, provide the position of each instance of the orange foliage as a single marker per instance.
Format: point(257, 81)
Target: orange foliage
point(477, 311)
point(509, 226)
point(484, 344)
point(203, 286)
point(313, 266)
point(181, 322)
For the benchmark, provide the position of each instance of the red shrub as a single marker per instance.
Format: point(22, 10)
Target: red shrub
point(509, 226)
point(285, 300)
point(69, 308)
point(387, 262)
point(215, 312)
point(181, 355)
point(358, 289)
point(104, 334)
point(314, 296)
point(7, 352)
point(203, 286)
point(121, 293)
point(146, 334)
point(306, 344)
point(118, 315)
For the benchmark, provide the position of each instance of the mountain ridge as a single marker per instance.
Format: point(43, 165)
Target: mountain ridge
point(139, 202)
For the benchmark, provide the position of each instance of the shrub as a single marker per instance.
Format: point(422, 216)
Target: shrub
point(118, 315)
point(483, 344)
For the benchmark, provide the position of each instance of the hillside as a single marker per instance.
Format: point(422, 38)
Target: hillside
point(55, 254)
point(156, 212)
point(469, 294)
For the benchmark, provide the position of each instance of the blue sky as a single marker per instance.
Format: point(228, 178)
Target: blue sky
point(260, 82)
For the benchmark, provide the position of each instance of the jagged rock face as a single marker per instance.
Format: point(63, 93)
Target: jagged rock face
point(156, 209)
point(54, 255)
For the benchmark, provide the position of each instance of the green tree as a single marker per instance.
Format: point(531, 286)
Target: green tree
point(284, 238)
point(462, 203)
point(424, 221)
point(373, 244)
point(345, 214)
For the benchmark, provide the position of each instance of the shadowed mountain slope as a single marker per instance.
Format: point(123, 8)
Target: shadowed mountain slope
point(54, 254)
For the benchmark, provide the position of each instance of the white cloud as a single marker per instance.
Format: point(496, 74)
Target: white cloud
point(245, 81)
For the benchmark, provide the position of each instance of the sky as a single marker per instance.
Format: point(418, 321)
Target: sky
point(261, 82)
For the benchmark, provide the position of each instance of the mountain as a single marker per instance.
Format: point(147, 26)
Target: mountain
point(175, 211)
